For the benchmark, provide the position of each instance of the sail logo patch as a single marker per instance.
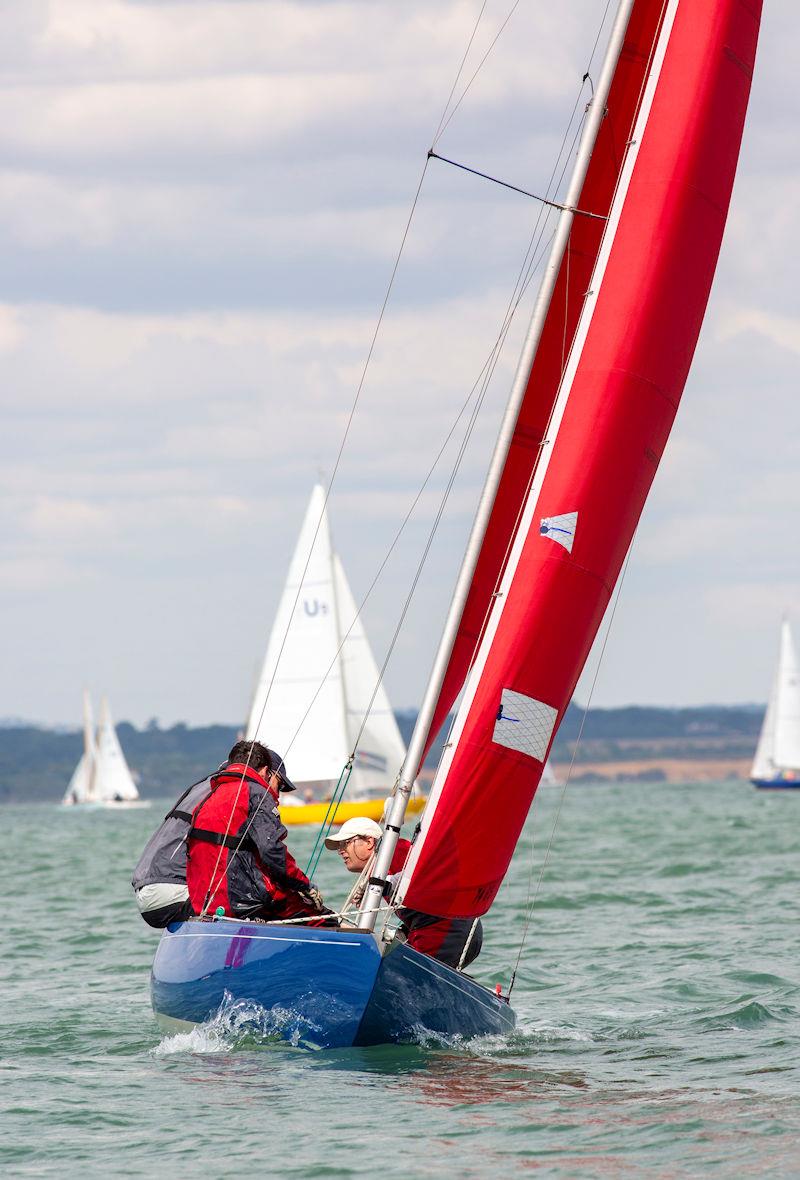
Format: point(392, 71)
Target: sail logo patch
point(560, 528)
point(525, 724)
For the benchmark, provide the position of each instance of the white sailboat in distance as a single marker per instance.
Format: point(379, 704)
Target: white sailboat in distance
point(315, 688)
point(102, 777)
point(777, 761)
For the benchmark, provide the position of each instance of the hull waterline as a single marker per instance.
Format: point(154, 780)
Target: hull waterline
point(776, 784)
point(316, 988)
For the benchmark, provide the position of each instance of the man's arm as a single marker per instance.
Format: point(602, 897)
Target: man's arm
point(269, 837)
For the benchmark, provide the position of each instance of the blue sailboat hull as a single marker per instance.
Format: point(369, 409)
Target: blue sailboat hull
point(318, 988)
point(776, 784)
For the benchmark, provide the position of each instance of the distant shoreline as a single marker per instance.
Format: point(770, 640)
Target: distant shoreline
point(633, 744)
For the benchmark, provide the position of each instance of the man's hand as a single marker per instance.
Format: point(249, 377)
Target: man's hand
point(315, 898)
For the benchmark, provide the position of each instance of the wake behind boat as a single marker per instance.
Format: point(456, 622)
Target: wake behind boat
point(634, 245)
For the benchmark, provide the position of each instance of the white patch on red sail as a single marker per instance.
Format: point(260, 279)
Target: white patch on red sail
point(560, 528)
point(524, 724)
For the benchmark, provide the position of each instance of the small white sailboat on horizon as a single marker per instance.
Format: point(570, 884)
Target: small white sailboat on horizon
point(777, 759)
point(102, 777)
point(320, 696)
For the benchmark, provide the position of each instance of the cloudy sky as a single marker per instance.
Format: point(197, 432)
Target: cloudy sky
point(200, 207)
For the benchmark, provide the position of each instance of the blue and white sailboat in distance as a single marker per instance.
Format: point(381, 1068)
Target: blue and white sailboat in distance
point(776, 765)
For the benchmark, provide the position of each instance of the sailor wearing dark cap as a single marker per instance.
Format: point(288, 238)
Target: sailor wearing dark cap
point(238, 862)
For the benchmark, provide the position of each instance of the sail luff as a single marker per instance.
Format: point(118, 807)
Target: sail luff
point(424, 728)
point(633, 347)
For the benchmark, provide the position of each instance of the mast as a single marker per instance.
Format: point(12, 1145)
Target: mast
point(419, 737)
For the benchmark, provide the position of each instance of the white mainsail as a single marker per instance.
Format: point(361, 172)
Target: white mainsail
point(319, 675)
point(81, 786)
point(778, 751)
point(113, 782)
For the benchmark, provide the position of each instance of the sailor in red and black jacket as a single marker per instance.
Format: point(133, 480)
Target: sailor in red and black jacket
point(237, 859)
point(454, 941)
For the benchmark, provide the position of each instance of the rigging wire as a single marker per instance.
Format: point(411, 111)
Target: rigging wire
point(460, 71)
point(345, 435)
point(214, 884)
point(443, 124)
point(533, 258)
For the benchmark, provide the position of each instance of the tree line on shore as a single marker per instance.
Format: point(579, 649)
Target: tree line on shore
point(36, 763)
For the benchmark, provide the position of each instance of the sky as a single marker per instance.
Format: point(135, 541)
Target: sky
point(201, 204)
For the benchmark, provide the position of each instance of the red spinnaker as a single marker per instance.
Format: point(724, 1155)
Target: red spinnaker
point(559, 331)
point(631, 351)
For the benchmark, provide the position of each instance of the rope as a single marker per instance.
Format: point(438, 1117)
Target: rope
point(304, 918)
point(330, 815)
point(432, 155)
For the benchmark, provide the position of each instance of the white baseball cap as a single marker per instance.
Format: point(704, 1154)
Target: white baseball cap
point(360, 826)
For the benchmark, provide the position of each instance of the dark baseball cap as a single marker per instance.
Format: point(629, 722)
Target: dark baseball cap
point(278, 766)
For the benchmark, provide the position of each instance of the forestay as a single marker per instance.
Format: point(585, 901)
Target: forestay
point(667, 156)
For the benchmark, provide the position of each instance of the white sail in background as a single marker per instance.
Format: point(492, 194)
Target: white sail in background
point(81, 785)
point(113, 782)
point(311, 696)
point(381, 749)
point(778, 751)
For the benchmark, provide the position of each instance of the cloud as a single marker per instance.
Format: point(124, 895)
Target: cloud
point(200, 207)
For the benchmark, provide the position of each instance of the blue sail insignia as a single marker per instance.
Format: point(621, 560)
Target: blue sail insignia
point(535, 721)
point(560, 528)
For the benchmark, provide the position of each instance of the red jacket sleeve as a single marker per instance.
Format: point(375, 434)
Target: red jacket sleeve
point(269, 837)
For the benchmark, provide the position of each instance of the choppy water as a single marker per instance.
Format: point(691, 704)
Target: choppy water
point(658, 1003)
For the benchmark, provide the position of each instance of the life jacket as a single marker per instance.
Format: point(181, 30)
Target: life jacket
point(217, 830)
point(163, 861)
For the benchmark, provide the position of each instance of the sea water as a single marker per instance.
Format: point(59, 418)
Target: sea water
point(657, 996)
